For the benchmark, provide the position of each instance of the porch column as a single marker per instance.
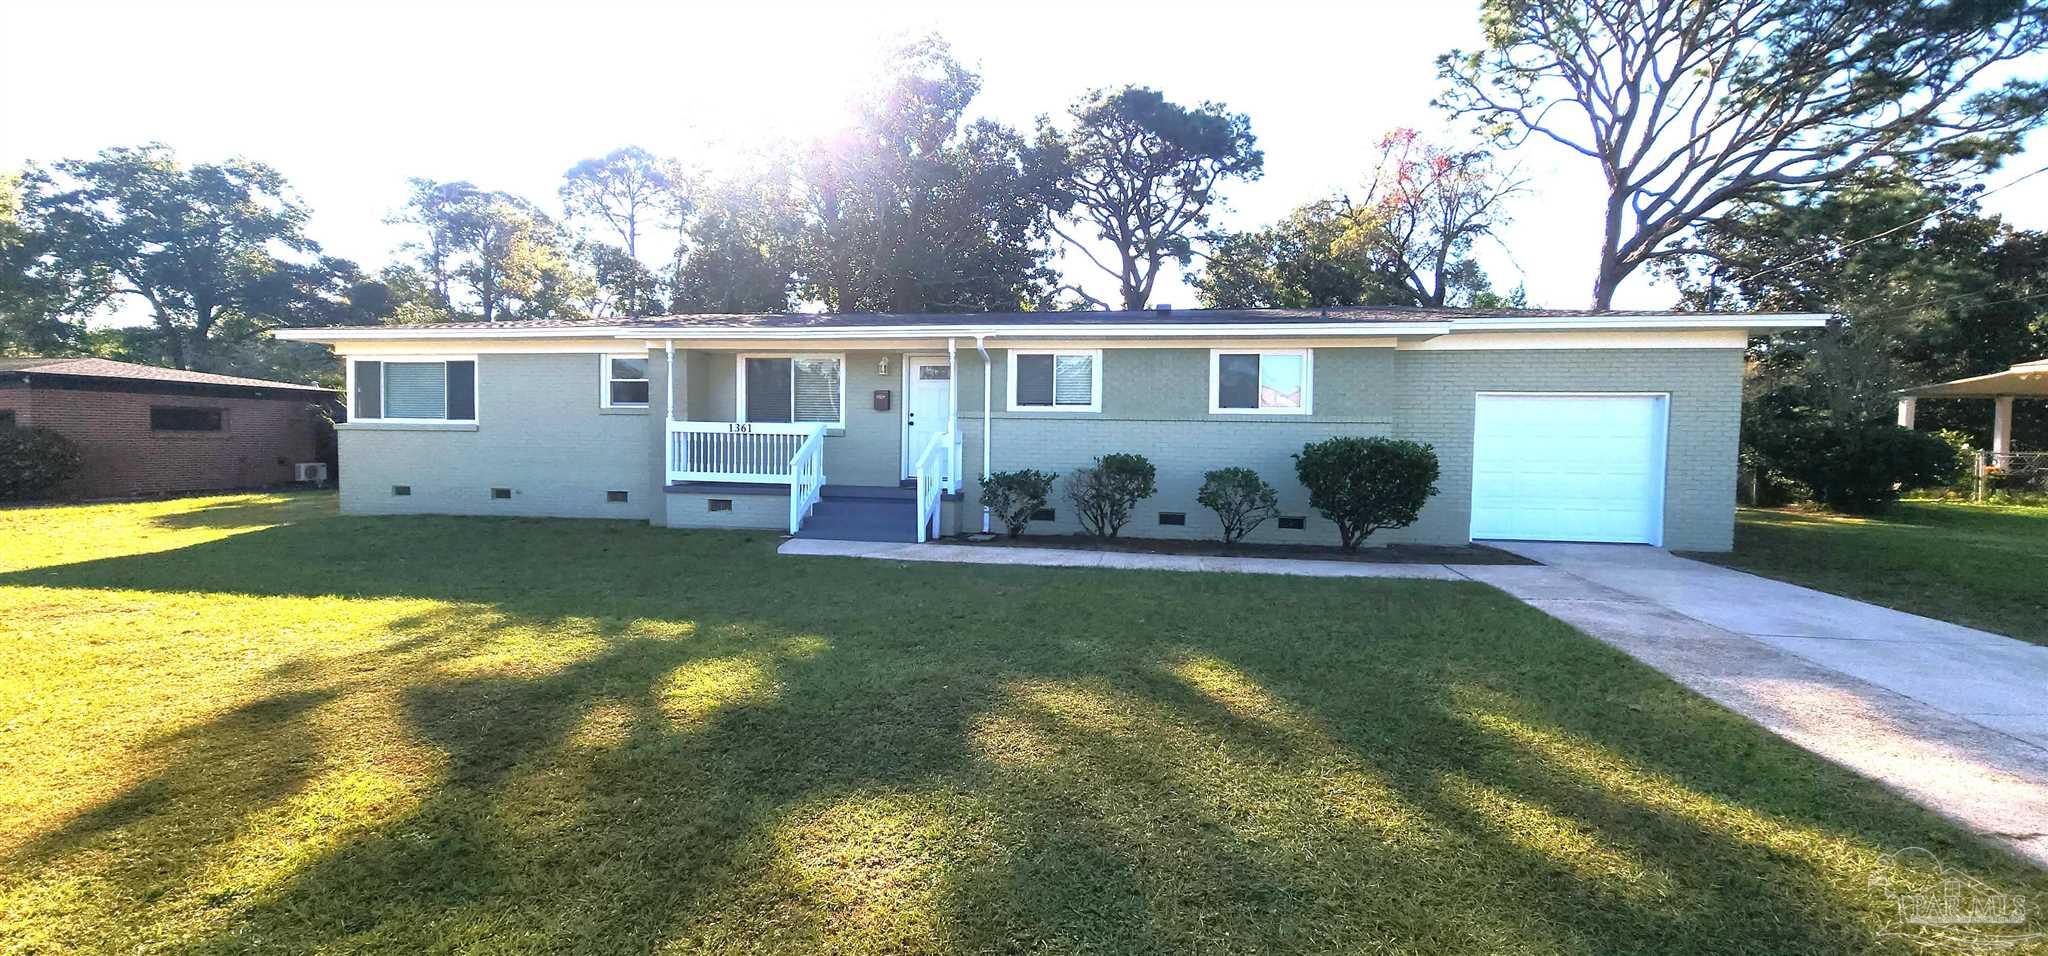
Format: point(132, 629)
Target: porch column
point(1907, 408)
point(2001, 428)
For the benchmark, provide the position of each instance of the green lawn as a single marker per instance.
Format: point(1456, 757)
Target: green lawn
point(1981, 565)
point(243, 724)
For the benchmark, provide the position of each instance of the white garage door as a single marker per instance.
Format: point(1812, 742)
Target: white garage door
point(1569, 468)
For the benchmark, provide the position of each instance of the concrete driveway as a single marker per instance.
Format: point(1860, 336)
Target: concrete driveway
point(1954, 718)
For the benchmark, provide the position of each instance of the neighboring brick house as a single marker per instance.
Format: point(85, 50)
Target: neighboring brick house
point(1548, 424)
point(143, 430)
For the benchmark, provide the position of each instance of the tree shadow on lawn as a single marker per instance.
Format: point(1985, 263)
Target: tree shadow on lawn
point(772, 754)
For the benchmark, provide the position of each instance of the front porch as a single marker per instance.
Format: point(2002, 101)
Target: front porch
point(858, 445)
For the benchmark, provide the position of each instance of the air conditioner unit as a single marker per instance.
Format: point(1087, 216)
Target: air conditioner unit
point(310, 471)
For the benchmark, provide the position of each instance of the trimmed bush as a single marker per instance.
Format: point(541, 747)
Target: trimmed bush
point(1013, 496)
point(1240, 498)
point(33, 462)
point(1364, 485)
point(1105, 493)
point(1855, 469)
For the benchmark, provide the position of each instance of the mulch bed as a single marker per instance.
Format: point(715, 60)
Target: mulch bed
point(1386, 554)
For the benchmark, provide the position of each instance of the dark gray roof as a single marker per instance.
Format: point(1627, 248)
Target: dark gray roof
point(854, 320)
point(108, 368)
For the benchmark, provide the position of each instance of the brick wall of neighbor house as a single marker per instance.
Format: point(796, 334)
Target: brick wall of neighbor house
point(17, 399)
point(540, 431)
point(260, 439)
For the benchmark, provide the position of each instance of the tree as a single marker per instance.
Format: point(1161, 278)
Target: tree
point(511, 259)
point(1927, 288)
point(204, 246)
point(1142, 173)
point(629, 190)
point(43, 300)
point(1425, 205)
point(744, 243)
point(1688, 107)
point(912, 210)
point(1301, 262)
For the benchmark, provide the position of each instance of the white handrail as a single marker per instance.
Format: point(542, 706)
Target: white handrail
point(735, 451)
point(806, 478)
point(931, 467)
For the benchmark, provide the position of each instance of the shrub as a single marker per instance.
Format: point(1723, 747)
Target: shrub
point(1367, 484)
point(1105, 493)
point(1013, 496)
point(33, 462)
point(1240, 498)
point(1856, 468)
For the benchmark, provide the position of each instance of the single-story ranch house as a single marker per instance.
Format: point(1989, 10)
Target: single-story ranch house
point(1550, 425)
point(144, 430)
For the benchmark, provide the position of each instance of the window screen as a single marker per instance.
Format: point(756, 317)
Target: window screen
point(415, 390)
point(1237, 381)
point(6, 418)
point(817, 390)
point(768, 397)
point(462, 391)
point(369, 390)
point(178, 418)
point(1034, 380)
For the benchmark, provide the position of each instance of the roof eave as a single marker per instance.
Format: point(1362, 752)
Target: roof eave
point(1674, 321)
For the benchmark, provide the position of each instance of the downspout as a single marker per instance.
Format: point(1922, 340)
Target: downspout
point(670, 346)
point(987, 437)
point(952, 413)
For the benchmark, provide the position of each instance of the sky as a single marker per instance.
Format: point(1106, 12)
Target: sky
point(349, 100)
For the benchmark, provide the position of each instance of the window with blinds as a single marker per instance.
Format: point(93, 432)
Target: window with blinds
point(414, 391)
point(1054, 381)
point(808, 388)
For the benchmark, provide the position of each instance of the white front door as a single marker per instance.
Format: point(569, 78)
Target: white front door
point(1565, 467)
point(927, 392)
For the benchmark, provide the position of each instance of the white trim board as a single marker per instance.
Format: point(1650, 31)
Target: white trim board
point(1512, 341)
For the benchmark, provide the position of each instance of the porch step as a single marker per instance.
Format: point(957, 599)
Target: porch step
point(845, 517)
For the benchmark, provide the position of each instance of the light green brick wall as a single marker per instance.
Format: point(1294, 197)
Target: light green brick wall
point(539, 431)
point(1438, 395)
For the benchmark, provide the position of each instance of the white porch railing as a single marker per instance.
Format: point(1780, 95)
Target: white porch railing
point(933, 469)
point(735, 451)
point(806, 478)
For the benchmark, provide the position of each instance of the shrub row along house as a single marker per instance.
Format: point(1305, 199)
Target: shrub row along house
point(1578, 426)
point(143, 430)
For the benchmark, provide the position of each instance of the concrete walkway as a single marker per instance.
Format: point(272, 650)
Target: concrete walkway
point(1077, 558)
point(1953, 718)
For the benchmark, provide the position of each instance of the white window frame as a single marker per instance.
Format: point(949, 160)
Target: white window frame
point(1094, 381)
point(1308, 381)
point(604, 384)
point(739, 402)
point(475, 388)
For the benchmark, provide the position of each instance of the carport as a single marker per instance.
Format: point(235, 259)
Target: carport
point(2025, 380)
